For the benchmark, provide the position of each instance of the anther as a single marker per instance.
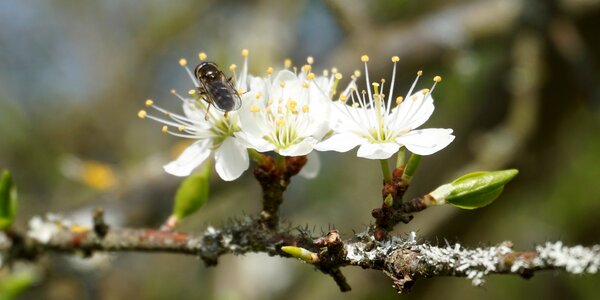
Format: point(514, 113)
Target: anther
point(437, 78)
point(343, 98)
point(364, 58)
point(305, 85)
point(425, 91)
point(202, 56)
point(232, 67)
point(149, 102)
point(282, 84)
point(181, 128)
point(419, 73)
point(305, 108)
point(310, 60)
point(334, 70)
point(192, 92)
point(245, 52)
point(399, 100)
point(280, 122)
point(356, 73)
point(287, 63)
point(173, 91)
point(395, 59)
point(165, 129)
point(270, 70)
point(257, 96)
point(254, 108)
point(310, 76)
point(182, 62)
point(142, 114)
point(338, 76)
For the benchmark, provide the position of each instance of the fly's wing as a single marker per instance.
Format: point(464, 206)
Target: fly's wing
point(224, 96)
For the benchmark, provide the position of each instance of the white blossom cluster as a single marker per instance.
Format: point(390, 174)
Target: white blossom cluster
point(42, 229)
point(294, 111)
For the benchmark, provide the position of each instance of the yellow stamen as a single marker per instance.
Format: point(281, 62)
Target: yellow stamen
point(338, 76)
point(165, 129)
point(310, 76)
point(334, 70)
point(245, 52)
point(173, 91)
point(305, 85)
point(305, 108)
point(182, 62)
point(269, 70)
point(437, 78)
point(425, 91)
point(356, 73)
point(282, 84)
point(258, 95)
point(239, 91)
point(399, 100)
point(287, 63)
point(232, 67)
point(395, 58)
point(142, 114)
point(419, 73)
point(254, 108)
point(192, 92)
point(181, 128)
point(280, 122)
point(202, 56)
point(149, 102)
point(310, 60)
point(343, 98)
point(364, 58)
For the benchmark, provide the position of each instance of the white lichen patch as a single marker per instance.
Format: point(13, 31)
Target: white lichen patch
point(42, 229)
point(576, 259)
point(474, 263)
point(369, 249)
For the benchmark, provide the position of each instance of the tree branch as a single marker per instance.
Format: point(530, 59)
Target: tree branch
point(402, 259)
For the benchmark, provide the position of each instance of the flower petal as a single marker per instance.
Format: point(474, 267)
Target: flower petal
point(302, 148)
point(340, 142)
point(191, 157)
point(377, 151)
point(250, 141)
point(413, 112)
point(231, 159)
point(426, 141)
point(312, 167)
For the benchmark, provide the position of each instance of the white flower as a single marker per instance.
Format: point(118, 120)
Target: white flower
point(214, 132)
point(287, 113)
point(369, 121)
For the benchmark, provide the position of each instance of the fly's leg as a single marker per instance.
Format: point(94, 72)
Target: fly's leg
point(207, 110)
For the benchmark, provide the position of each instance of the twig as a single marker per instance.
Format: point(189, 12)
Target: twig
point(403, 260)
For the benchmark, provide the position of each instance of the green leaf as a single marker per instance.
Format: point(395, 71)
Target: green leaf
point(8, 200)
point(192, 193)
point(478, 189)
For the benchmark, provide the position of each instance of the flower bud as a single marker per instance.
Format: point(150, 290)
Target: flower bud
point(301, 253)
point(192, 193)
point(473, 190)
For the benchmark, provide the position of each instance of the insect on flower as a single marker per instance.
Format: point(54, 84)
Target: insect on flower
point(216, 89)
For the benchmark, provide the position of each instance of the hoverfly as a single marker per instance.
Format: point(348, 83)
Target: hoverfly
point(216, 89)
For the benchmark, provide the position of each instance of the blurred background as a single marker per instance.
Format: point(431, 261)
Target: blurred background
point(521, 90)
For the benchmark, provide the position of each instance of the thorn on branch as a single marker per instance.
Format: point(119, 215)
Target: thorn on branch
point(100, 226)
